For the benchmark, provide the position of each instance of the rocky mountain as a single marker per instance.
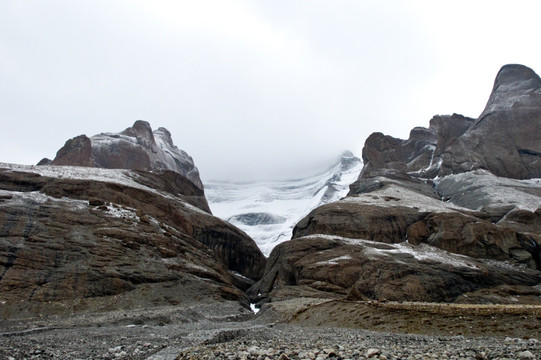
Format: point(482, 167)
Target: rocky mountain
point(268, 211)
point(76, 238)
point(504, 140)
point(451, 214)
point(137, 147)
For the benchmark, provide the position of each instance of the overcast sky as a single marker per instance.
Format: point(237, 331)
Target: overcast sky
point(250, 88)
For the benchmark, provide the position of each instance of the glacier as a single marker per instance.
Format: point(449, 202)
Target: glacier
point(268, 210)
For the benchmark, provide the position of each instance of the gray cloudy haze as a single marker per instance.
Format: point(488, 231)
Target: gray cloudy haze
point(266, 89)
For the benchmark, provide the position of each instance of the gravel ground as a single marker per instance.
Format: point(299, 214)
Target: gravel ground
point(293, 342)
point(206, 333)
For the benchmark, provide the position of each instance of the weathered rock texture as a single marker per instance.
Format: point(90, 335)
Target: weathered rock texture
point(503, 140)
point(70, 234)
point(137, 147)
point(322, 265)
point(461, 190)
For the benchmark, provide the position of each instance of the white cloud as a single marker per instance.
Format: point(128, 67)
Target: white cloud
point(250, 88)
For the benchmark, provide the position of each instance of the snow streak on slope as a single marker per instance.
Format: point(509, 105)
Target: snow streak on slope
point(268, 211)
point(124, 177)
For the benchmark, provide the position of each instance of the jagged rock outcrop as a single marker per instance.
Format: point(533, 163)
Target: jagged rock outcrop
point(137, 147)
point(462, 189)
point(504, 140)
point(472, 164)
point(75, 238)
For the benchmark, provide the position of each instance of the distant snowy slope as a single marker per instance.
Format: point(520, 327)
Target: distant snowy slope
point(268, 211)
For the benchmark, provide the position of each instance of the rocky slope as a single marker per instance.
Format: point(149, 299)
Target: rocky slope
point(268, 211)
point(77, 238)
point(451, 214)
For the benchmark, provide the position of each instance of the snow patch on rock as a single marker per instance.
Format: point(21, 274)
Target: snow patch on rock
point(38, 198)
point(490, 190)
point(395, 195)
point(422, 252)
point(121, 177)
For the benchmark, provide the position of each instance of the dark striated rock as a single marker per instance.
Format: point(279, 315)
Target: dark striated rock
point(505, 138)
point(394, 213)
point(375, 179)
point(371, 222)
point(116, 237)
point(236, 249)
point(327, 266)
point(471, 236)
point(175, 184)
point(137, 147)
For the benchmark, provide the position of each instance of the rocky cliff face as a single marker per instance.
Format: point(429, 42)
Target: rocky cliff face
point(504, 140)
point(75, 238)
point(137, 147)
point(451, 214)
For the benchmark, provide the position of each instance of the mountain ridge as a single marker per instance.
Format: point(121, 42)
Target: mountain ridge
point(462, 188)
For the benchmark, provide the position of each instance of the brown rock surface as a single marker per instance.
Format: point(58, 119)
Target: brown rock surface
point(362, 270)
point(371, 222)
point(68, 234)
point(396, 213)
